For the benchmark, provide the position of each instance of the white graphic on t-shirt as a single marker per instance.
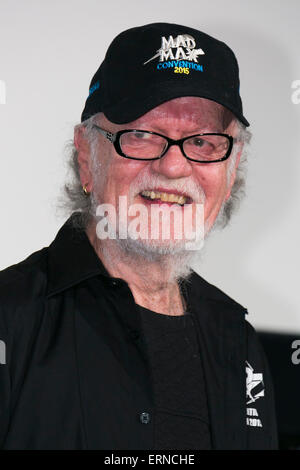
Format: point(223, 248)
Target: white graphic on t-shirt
point(254, 391)
point(254, 384)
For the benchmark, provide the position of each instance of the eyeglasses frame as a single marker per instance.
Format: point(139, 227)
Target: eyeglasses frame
point(114, 138)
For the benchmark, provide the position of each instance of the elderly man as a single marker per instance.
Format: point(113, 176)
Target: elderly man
point(112, 340)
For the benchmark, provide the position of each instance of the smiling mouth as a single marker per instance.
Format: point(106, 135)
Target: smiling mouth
point(169, 198)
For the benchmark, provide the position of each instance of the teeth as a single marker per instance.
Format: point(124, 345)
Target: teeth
point(165, 197)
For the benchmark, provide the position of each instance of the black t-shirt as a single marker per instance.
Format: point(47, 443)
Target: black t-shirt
point(181, 411)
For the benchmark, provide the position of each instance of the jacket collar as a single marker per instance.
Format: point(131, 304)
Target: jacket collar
point(72, 258)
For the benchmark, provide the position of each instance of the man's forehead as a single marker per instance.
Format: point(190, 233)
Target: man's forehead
point(189, 109)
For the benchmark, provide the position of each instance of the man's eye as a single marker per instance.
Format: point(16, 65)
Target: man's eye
point(199, 142)
point(141, 135)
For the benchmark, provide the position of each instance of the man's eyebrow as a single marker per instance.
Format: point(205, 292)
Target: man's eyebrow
point(194, 131)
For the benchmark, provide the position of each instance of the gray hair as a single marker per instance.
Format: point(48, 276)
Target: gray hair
point(74, 199)
point(238, 192)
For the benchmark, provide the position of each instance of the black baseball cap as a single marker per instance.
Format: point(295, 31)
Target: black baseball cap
point(149, 65)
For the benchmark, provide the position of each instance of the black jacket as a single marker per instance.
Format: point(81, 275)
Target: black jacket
point(76, 374)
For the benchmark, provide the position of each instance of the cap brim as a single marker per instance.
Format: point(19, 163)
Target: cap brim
point(132, 107)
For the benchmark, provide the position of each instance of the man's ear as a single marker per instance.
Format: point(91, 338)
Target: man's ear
point(83, 150)
point(232, 179)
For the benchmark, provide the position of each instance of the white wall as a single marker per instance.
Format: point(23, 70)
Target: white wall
point(49, 51)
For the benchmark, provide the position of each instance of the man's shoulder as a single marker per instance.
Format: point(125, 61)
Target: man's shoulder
point(213, 293)
point(20, 281)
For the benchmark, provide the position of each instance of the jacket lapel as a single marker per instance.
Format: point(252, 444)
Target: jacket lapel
point(222, 343)
point(114, 384)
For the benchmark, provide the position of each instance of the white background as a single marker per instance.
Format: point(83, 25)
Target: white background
point(49, 51)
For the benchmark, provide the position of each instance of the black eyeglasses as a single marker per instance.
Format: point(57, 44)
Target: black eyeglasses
point(138, 144)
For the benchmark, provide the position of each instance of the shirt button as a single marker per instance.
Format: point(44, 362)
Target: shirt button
point(134, 334)
point(145, 417)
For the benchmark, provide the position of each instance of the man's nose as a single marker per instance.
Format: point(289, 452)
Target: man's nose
point(173, 164)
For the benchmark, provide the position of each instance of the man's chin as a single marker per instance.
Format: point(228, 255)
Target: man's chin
point(156, 248)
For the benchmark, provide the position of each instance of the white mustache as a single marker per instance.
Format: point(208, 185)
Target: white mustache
point(149, 182)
